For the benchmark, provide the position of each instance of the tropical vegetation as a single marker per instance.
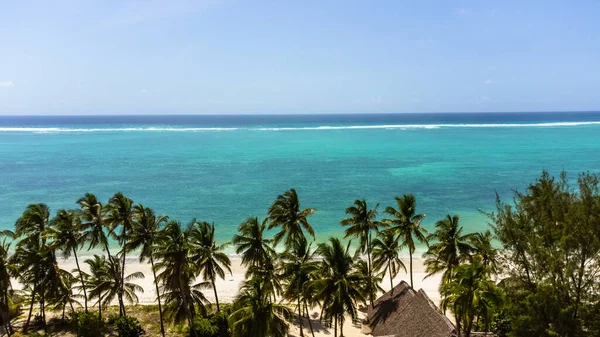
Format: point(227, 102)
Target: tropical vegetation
point(533, 273)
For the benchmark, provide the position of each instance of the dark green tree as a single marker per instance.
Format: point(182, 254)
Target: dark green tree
point(285, 212)
point(98, 229)
point(406, 225)
point(551, 249)
point(470, 293)
point(120, 215)
point(256, 315)
point(68, 236)
point(297, 268)
point(5, 279)
point(361, 224)
point(177, 274)
point(144, 235)
point(451, 247)
point(208, 256)
point(386, 255)
point(105, 288)
point(339, 287)
point(251, 244)
point(35, 261)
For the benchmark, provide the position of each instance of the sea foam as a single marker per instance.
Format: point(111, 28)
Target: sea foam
point(306, 128)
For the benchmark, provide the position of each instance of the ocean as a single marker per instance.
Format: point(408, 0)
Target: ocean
point(224, 169)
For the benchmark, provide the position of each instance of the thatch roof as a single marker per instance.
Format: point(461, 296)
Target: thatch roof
point(404, 312)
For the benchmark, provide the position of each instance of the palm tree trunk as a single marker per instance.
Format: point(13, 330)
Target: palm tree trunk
point(335, 326)
point(5, 317)
point(458, 327)
point(469, 327)
point(216, 296)
point(8, 325)
point(300, 317)
point(391, 281)
point(162, 327)
point(100, 306)
point(191, 317)
point(117, 279)
point(26, 326)
point(43, 306)
point(410, 262)
point(308, 317)
point(63, 312)
point(369, 271)
point(122, 285)
point(322, 309)
point(192, 330)
point(81, 279)
point(342, 326)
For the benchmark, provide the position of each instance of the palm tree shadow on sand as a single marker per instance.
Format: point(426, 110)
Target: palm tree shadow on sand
point(317, 325)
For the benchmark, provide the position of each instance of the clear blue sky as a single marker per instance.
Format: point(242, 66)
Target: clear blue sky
point(232, 56)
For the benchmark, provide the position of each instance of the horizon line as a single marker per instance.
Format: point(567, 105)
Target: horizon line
point(308, 114)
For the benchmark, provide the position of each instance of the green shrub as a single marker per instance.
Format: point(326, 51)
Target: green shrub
point(112, 318)
point(220, 320)
point(37, 334)
point(129, 327)
point(86, 324)
point(203, 327)
point(213, 326)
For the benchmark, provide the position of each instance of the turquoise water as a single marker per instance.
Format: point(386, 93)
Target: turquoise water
point(226, 169)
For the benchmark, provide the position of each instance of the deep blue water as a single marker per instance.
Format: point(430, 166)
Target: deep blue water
point(227, 168)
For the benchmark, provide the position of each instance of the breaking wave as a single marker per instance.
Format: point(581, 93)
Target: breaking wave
point(309, 128)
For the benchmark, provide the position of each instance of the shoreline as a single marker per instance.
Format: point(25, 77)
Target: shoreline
point(228, 288)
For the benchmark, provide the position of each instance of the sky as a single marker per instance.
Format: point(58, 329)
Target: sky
point(279, 57)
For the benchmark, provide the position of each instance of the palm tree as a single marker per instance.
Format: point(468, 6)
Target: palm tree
point(255, 315)
point(339, 286)
point(386, 255)
point(297, 265)
point(144, 236)
point(67, 234)
point(207, 256)
point(269, 275)
point(94, 217)
point(177, 275)
point(106, 288)
point(406, 225)
point(7, 233)
point(452, 247)
point(483, 250)
point(36, 266)
point(5, 284)
point(98, 279)
point(258, 255)
point(251, 243)
point(32, 256)
point(470, 292)
point(285, 212)
point(120, 213)
point(361, 224)
point(33, 222)
point(65, 296)
point(371, 286)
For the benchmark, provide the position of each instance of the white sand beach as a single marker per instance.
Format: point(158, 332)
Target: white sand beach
point(228, 289)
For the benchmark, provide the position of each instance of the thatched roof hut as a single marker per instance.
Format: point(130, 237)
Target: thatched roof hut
point(404, 312)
